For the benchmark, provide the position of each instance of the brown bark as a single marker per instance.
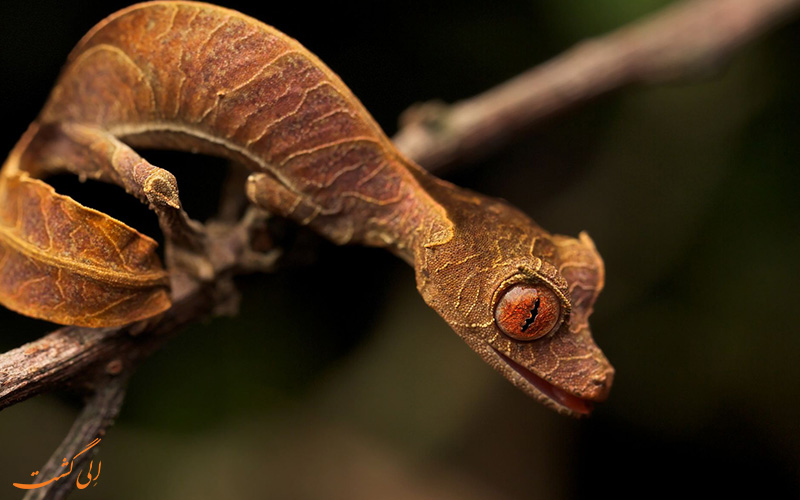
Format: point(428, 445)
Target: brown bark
point(688, 40)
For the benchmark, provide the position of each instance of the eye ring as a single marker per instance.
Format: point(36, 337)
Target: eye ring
point(528, 311)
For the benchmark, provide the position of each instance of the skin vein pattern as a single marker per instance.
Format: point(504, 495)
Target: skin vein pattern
point(201, 78)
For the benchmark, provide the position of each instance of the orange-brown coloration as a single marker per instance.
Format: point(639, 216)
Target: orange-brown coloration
point(69, 264)
point(197, 77)
point(527, 312)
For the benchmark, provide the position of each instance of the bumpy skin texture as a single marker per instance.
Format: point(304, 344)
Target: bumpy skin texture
point(198, 77)
point(69, 264)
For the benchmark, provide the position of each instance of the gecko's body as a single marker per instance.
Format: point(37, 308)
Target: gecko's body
point(202, 78)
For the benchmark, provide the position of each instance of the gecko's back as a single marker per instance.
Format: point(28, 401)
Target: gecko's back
point(199, 77)
point(203, 78)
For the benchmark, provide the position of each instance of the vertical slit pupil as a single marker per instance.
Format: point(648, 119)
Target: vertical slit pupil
point(534, 313)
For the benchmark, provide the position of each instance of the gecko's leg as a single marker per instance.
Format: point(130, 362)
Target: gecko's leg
point(93, 153)
point(272, 195)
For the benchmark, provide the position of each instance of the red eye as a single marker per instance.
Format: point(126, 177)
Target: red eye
point(527, 312)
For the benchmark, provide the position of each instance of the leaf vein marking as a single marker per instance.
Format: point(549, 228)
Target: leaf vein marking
point(170, 25)
point(110, 306)
point(126, 58)
point(289, 114)
point(38, 256)
point(328, 145)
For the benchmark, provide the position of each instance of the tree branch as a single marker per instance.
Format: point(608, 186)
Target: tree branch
point(72, 355)
point(686, 40)
point(105, 358)
point(98, 414)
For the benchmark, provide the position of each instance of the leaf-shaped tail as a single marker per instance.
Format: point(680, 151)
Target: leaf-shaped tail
point(69, 264)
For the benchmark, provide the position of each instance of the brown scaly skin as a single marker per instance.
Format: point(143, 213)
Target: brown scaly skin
point(493, 247)
point(198, 77)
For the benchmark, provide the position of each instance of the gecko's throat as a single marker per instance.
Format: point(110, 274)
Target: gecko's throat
point(559, 396)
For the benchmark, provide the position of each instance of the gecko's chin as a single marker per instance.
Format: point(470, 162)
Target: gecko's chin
point(538, 387)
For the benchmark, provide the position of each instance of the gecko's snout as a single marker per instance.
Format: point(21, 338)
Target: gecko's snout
point(600, 386)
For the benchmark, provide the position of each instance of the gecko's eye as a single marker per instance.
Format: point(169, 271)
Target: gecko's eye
point(527, 312)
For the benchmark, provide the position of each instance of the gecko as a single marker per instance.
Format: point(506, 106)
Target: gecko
point(201, 78)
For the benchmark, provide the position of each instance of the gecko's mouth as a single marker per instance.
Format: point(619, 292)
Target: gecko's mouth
point(558, 396)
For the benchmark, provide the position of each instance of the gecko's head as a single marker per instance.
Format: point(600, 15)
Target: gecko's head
point(521, 298)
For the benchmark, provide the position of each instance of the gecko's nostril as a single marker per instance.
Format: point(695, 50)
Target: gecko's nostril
point(600, 386)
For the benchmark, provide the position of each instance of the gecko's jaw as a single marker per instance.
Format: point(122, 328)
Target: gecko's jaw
point(558, 397)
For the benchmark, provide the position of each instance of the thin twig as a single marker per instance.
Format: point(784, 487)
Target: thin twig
point(686, 40)
point(689, 39)
point(73, 354)
point(98, 414)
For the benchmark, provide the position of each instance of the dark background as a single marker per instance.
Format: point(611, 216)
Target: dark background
point(336, 381)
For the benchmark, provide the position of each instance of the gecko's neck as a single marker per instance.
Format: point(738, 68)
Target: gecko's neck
point(422, 221)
